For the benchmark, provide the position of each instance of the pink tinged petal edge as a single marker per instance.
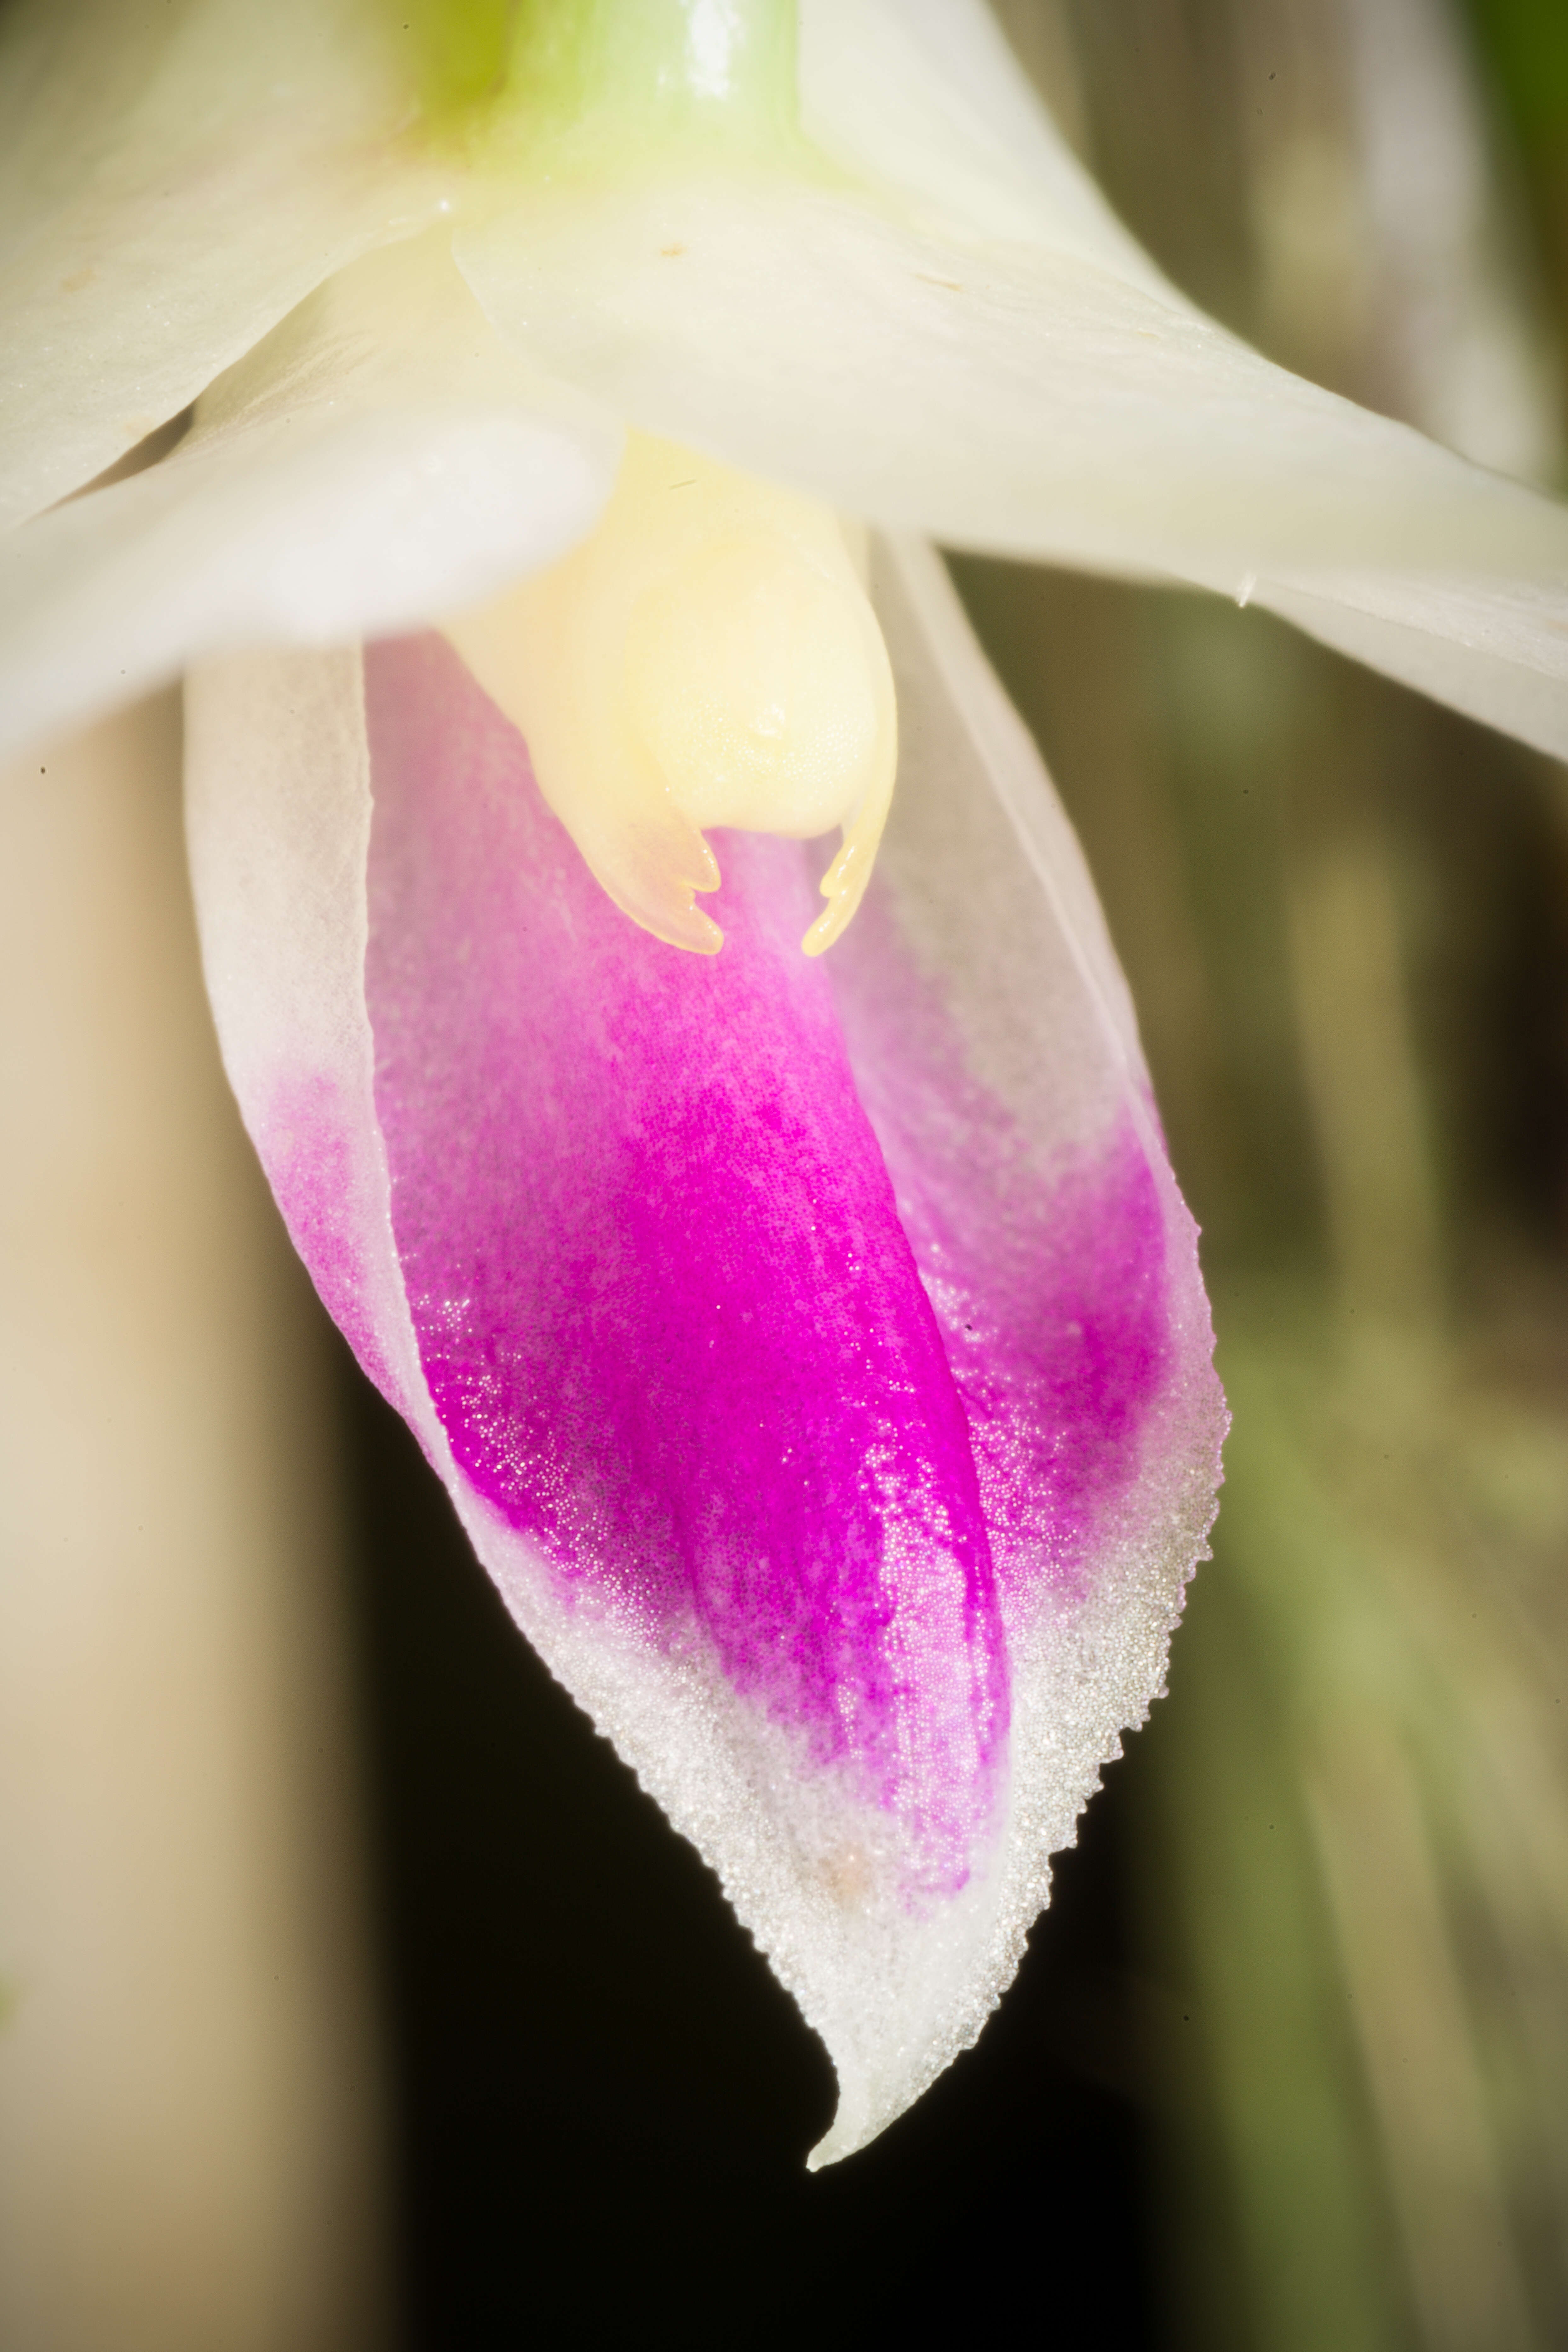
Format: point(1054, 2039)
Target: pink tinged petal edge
point(996, 1053)
point(278, 821)
point(991, 1048)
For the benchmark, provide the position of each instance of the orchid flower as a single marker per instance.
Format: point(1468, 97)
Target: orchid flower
point(812, 1344)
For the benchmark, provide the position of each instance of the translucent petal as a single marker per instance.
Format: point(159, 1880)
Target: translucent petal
point(1025, 399)
point(278, 820)
point(378, 460)
point(173, 180)
point(925, 97)
point(995, 1052)
point(726, 1470)
point(1497, 651)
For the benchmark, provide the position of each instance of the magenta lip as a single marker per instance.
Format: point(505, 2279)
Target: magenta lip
point(733, 1296)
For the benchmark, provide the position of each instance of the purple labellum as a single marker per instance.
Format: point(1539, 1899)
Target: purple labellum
point(815, 1352)
point(669, 1317)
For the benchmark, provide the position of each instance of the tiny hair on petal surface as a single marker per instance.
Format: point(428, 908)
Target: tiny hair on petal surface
point(812, 1344)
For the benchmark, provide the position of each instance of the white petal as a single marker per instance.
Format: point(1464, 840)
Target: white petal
point(1496, 652)
point(378, 461)
point(1027, 401)
point(924, 95)
point(173, 180)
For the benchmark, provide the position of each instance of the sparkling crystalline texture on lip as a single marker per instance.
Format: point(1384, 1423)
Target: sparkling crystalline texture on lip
point(706, 656)
point(815, 1349)
point(669, 1320)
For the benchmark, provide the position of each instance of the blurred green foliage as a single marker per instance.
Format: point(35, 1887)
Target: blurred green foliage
point(1525, 43)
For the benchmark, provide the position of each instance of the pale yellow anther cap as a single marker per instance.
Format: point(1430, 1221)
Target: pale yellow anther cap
point(708, 657)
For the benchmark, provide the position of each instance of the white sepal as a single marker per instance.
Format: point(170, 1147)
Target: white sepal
point(377, 461)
